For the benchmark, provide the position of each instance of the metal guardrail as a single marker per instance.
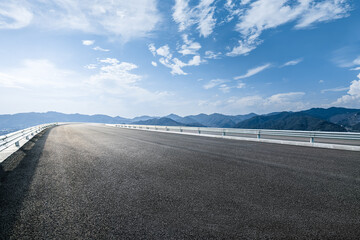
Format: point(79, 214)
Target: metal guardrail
point(15, 137)
point(265, 135)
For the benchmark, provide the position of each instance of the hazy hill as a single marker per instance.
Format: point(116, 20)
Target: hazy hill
point(184, 120)
point(342, 116)
point(212, 120)
point(331, 119)
point(164, 121)
point(356, 128)
point(220, 120)
point(290, 121)
point(141, 118)
point(24, 120)
point(329, 113)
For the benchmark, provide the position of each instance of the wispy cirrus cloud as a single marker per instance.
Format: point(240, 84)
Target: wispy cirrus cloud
point(356, 63)
point(292, 62)
point(125, 19)
point(212, 55)
point(338, 89)
point(14, 15)
point(213, 83)
point(260, 15)
point(201, 15)
point(97, 48)
point(223, 85)
point(253, 71)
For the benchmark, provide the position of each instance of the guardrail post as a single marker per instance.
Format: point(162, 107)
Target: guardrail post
point(223, 133)
point(311, 139)
point(199, 131)
point(258, 135)
point(181, 129)
point(17, 144)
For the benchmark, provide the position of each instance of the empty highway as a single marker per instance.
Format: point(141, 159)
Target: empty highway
point(84, 181)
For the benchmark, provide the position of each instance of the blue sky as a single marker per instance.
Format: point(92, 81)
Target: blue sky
point(149, 57)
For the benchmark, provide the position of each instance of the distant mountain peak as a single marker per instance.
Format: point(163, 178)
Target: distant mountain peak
point(330, 119)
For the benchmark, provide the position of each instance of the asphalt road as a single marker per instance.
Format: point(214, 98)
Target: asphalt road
point(97, 182)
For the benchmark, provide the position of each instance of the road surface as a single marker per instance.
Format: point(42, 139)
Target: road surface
point(84, 181)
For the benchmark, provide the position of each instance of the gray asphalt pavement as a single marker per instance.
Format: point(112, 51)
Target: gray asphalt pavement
point(85, 181)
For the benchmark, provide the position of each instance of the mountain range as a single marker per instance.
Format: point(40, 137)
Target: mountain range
point(315, 119)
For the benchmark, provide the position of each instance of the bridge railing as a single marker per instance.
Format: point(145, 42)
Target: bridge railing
point(14, 138)
point(339, 140)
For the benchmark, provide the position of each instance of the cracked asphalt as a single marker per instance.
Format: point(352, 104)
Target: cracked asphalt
point(87, 181)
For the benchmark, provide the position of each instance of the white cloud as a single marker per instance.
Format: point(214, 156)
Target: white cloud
point(97, 48)
point(282, 98)
point(174, 64)
point(244, 2)
point(267, 14)
point(109, 61)
point(195, 61)
point(292, 62)
point(152, 49)
point(190, 47)
point(14, 15)
point(244, 48)
point(114, 74)
point(212, 55)
point(112, 77)
point(116, 79)
point(344, 57)
point(164, 51)
point(253, 71)
point(213, 83)
point(230, 6)
point(224, 88)
point(34, 73)
point(241, 85)
point(322, 11)
point(221, 83)
point(321, 81)
point(9, 81)
point(112, 87)
point(202, 15)
point(88, 42)
point(206, 22)
point(91, 66)
point(182, 14)
point(154, 63)
point(127, 19)
point(357, 61)
point(352, 98)
point(355, 69)
point(291, 101)
point(338, 89)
